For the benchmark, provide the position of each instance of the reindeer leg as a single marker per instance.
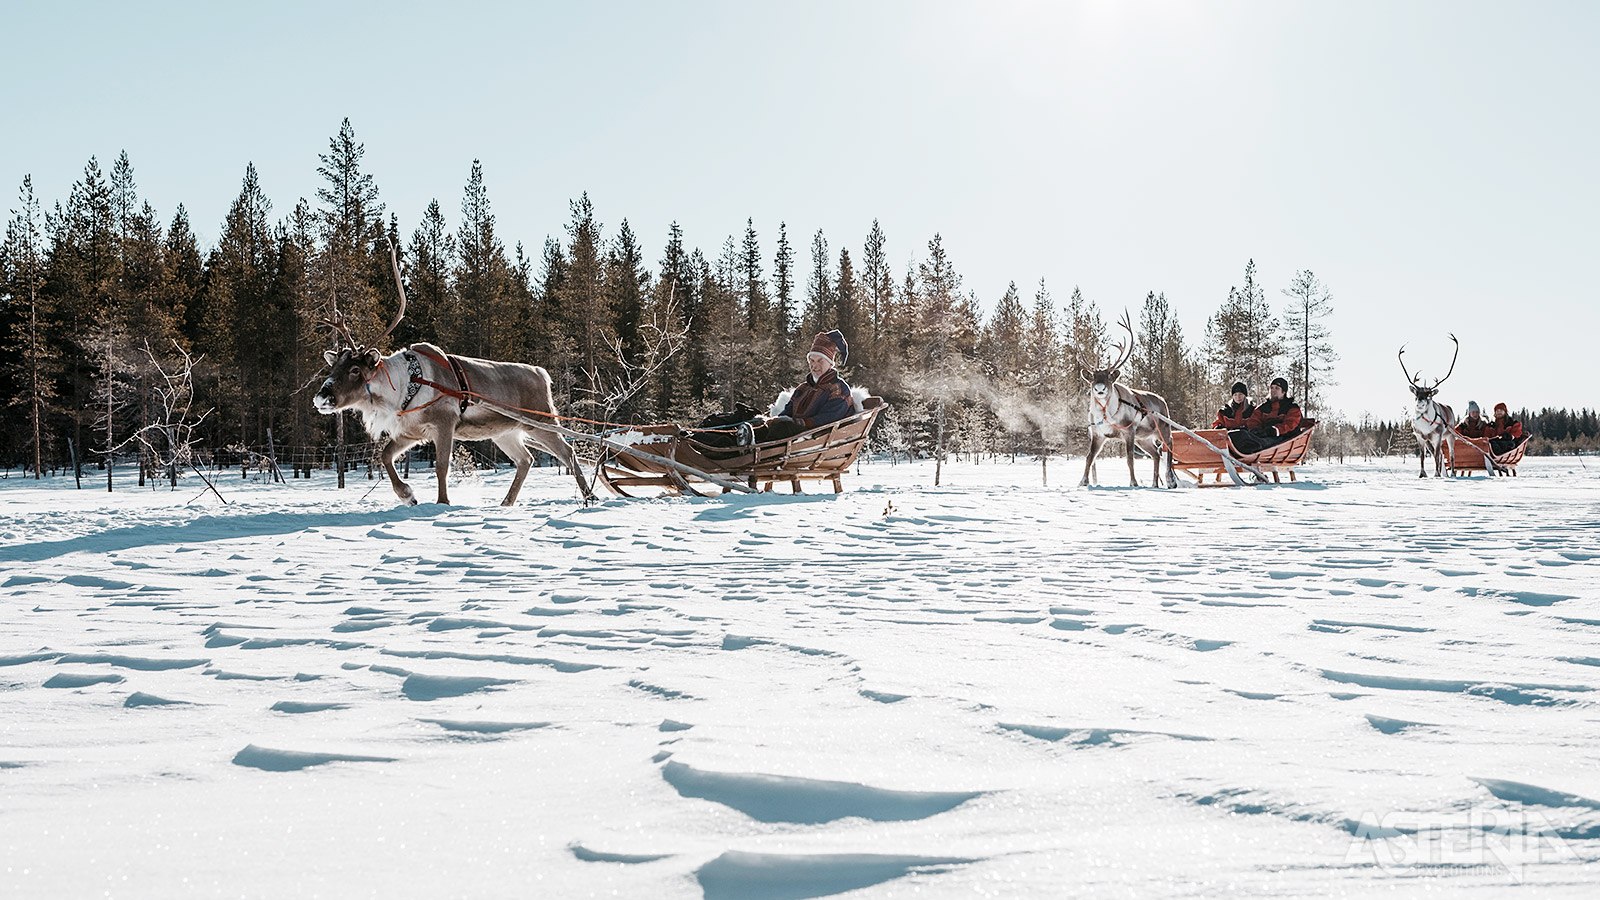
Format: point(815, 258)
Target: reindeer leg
point(444, 439)
point(560, 449)
point(1422, 455)
point(514, 443)
point(1095, 440)
point(1131, 444)
point(1166, 451)
point(391, 451)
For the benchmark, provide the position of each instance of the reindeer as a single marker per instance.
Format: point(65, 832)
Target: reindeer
point(422, 393)
point(1116, 410)
point(1434, 423)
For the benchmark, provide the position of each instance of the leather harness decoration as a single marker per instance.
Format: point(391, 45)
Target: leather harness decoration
point(462, 391)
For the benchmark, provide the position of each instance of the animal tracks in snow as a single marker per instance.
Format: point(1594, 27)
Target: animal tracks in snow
point(967, 685)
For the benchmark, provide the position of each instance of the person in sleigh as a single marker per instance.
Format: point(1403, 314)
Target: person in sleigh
point(1473, 426)
point(821, 399)
point(1503, 432)
point(1274, 421)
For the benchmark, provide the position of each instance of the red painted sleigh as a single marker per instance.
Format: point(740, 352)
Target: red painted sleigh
point(1193, 458)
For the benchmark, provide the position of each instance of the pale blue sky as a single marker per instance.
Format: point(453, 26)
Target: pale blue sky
point(1433, 162)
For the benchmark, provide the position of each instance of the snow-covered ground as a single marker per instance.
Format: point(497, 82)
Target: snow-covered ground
point(1364, 682)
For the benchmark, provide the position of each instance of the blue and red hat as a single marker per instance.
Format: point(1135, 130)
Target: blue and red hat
point(832, 345)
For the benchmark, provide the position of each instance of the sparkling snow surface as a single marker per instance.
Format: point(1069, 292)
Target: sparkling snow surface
point(1361, 683)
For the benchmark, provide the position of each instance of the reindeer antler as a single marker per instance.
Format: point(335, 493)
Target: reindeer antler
point(1402, 358)
point(1452, 362)
point(394, 262)
point(1127, 325)
point(340, 329)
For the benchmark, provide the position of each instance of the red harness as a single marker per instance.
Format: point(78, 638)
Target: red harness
point(462, 391)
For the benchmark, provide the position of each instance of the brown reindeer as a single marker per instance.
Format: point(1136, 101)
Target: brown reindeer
point(422, 393)
point(1433, 423)
point(1116, 410)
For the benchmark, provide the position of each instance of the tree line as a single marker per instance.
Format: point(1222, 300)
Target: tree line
point(102, 297)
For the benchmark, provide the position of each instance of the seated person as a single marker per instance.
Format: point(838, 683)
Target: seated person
point(1503, 432)
point(1277, 418)
point(821, 399)
point(1238, 412)
point(1473, 425)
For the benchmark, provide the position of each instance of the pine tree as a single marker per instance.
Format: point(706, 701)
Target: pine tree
point(185, 275)
point(433, 309)
point(351, 214)
point(946, 331)
point(846, 298)
point(236, 323)
point(1306, 336)
point(485, 327)
point(33, 364)
point(583, 299)
point(626, 283)
point(1241, 337)
point(877, 283)
point(783, 283)
point(1086, 331)
point(296, 279)
point(1045, 376)
point(1004, 350)
point(820, 309)
point(756, 306)
point(680, 385)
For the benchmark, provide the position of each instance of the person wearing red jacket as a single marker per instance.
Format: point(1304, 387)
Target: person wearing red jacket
point(1278, 416)
point(1503, 431)
point(1237, 413)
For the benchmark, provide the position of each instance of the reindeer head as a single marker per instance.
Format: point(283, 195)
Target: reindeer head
point(1101, 379)
point(353, 369)
point(354, 364)
point(1424, 393)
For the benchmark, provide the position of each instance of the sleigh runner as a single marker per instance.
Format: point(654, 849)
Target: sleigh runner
point(666, 457)
point(1195, 458)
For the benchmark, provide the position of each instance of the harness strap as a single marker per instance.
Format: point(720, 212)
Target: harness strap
point(462, 391)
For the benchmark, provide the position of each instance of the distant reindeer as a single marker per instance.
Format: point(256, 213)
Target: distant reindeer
point(385, 390)
point(1116, 410)
point(1434, 423)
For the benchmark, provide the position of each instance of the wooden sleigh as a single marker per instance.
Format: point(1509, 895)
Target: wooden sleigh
point(1193, 458)
point(668, 458)
point(1473, 455)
